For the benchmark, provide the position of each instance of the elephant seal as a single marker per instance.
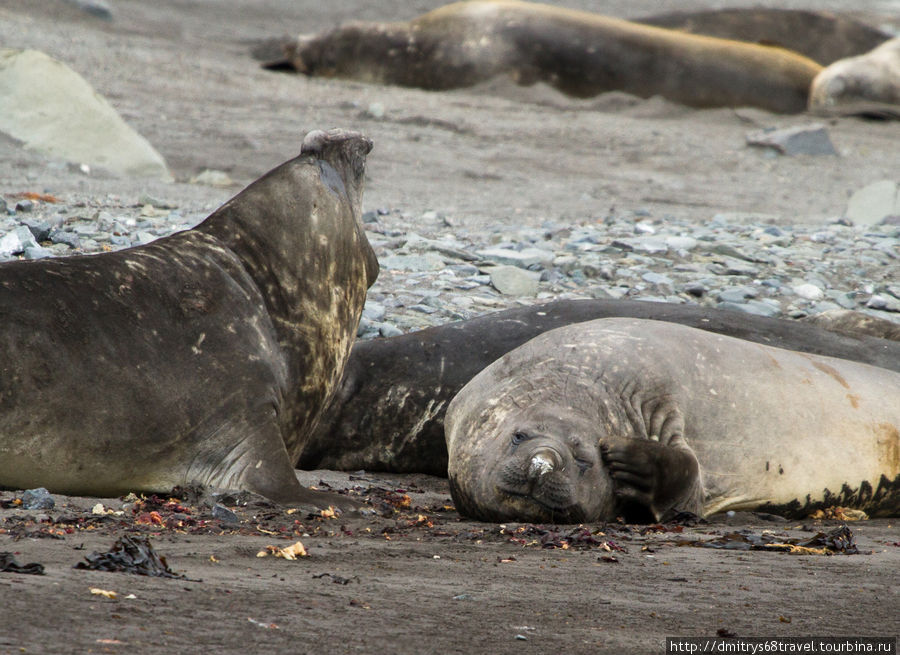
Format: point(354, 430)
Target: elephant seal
point(636, 418)
point(579, 53)
point(850, 323)
point(388, 413)
point(204, 357)
point(868, 84)
point(823, 36)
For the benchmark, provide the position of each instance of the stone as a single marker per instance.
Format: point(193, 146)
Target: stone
point(15, 242)
point(809, 139)
point(38, 498)
point(874, 202)
point(885, 303)
point(513, 281)
point(681, 242)
point(214, 178)
point(74, 123)
point(37, 252)
point(809, 291)
point(651, 244)
point(521, 258)
point(417, 263)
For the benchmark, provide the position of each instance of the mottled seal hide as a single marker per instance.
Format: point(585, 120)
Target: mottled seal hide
point(579, 53)
point(868, 84)
point(204, 357)
point(636, 418)
point(388, 414)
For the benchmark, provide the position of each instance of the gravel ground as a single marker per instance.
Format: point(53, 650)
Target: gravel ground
point(477, 200)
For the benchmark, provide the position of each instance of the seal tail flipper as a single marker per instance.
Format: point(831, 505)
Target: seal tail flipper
point(275, 54)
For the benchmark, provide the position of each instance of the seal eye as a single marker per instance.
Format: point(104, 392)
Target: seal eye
point(583, 464)
point(518, 437)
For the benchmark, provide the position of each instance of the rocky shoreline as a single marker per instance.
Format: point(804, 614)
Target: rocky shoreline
point(433, 271)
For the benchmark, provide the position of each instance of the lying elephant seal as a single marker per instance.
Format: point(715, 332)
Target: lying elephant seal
point(579, 53)
point(868, 84)
point(204, 357)
point(823, 36)
point(637, 418)
point(388, 414)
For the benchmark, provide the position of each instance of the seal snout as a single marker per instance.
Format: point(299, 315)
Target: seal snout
point(543, 461)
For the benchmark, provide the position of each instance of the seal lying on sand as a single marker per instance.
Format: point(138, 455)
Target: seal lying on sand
point(388, 414)
point(823, 36)
point(204, 357)
point(579, 53)
point(868, 84)
point(637, 418)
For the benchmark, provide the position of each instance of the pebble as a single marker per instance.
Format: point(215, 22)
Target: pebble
point(810, 139)
point(513, 281)
point(38, 498)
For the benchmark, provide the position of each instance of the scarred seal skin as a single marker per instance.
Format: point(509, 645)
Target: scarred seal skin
point(388, 413)
point(635, 418)
point(204, 357)
point(579, 53)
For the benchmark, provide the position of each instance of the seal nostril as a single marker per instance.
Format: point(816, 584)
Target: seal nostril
point(542, 462)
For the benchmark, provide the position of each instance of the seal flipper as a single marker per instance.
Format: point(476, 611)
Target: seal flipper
point(254, 458)
point(651, 478)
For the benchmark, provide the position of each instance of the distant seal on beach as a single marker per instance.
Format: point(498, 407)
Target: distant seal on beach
point(388, 412)
point(868, 84)
point(203, 358)
point(579, 53)
point(637, 418)
point(823, 36)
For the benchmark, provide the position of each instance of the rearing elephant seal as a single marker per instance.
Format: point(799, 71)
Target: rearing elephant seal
point(204, 357)
point(632, 417)
point(579, 53)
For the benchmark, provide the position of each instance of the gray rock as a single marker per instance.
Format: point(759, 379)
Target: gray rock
point(15, 242)
point(373, 311)
point(214, 178)
point(389, 330)
point(885, 303)
point(656, 278)
point(40, 229)
point(810, 139)
point(64, 237)
point(521, 258)
point(513, 281)
point(74, 123)
point(38, 498)
point(681, 242)
point(874, 202)
point(416, 263)
point(143, 237)
point(37, 252)
point(737, 294)
point(751, 307)
point(25, 205)
point(224, 514)
point(651, 245)
point(732, 266)
point(97, 8)
point(809, 291)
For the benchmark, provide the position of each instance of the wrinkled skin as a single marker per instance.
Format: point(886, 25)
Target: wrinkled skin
point(204, 358)
point(636, 418)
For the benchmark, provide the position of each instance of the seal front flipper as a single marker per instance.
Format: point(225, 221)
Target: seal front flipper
point(250, 455)
point(650, 479)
